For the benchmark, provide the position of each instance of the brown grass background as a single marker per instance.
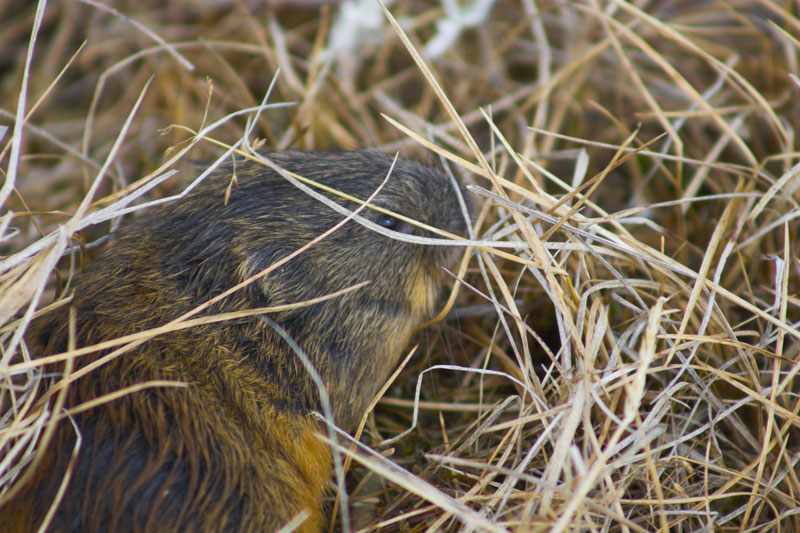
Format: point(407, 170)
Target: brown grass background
point(623, 357)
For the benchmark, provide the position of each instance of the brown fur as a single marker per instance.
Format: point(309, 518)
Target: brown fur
point(235, 450)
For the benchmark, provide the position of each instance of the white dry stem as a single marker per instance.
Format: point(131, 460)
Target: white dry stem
point(457, 18)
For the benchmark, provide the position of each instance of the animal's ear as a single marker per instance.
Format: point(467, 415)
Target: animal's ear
point(277, 280)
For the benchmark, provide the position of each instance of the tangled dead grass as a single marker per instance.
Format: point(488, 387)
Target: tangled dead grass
point(624, 357)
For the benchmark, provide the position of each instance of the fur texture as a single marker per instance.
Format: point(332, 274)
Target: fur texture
point(235, 450)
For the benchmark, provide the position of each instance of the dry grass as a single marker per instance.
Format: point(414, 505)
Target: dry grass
point(623, 357)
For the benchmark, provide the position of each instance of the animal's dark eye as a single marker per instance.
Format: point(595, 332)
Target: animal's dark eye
point(389, 222)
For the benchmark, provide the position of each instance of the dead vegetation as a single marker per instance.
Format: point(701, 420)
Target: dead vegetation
point(623, 353)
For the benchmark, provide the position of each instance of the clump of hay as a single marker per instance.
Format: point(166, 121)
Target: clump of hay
point(622, 350)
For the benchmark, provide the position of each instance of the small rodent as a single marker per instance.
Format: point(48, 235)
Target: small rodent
point(235, 449)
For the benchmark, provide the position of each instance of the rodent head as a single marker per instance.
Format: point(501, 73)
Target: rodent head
point(401, 274)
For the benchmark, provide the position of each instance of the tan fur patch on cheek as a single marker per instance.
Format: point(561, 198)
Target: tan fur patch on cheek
point(401, 329)
point(423, 290)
